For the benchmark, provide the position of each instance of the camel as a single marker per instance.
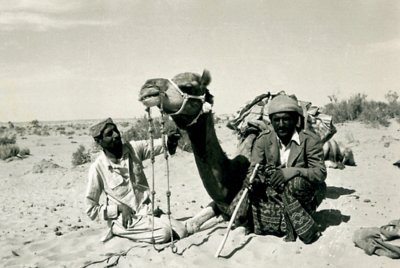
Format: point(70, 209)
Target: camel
point(188, 101)
point(186, 98)
point(336, 155)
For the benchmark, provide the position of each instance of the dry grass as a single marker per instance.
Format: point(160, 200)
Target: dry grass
point(80, 156)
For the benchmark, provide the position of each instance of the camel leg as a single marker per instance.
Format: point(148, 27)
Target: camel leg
point(201, 220)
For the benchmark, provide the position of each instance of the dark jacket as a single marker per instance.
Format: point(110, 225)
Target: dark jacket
point(307, 159)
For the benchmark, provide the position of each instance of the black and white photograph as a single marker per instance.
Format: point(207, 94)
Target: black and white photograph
point(200, 133)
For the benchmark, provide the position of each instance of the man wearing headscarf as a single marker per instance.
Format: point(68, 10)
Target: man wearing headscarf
point(291, 185)
point(118, 172)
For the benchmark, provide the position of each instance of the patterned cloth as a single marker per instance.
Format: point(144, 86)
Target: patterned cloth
point(287, 212)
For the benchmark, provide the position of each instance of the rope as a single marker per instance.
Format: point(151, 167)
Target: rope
point(153, 193)
point(168, 193)
point(152, 159)
point(112, 264)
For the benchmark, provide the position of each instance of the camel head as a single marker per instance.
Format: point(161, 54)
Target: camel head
point(182, 97)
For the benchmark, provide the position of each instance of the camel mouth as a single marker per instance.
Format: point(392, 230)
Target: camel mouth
point(150, 98)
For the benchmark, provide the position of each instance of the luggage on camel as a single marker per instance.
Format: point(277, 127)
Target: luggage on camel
point(253, 118)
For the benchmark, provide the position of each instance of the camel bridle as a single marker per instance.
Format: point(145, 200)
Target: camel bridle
point(186, 97)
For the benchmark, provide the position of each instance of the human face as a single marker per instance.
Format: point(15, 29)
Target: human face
point(284, 124)
point(111, 139)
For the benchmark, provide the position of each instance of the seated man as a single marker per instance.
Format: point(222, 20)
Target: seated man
point(291, 185)
point(118, 172)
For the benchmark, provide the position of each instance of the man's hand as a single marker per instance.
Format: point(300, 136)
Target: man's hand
point(290, 172)
point(282, 176)
point(259, 178)
point(277, 179)
point(172, 140)
point(127, 214)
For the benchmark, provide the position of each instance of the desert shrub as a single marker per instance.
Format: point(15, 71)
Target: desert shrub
point(124, 124)
point(24, 151)
point(20, 130)
point(375, 113)
point(8, 150)
point(7, 137)
point(81, 156)
point(140, 131)
point(40, 132)
point(70, 133)
point(35, 123)
point(358, 108)
point(394, 106)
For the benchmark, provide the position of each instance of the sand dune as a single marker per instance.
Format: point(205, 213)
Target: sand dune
point(44, 225)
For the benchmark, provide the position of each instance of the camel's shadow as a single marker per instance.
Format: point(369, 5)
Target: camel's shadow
point(333, 192)
point(329, 217)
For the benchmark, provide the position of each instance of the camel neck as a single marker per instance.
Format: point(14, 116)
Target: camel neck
point(204, 139)
point(222, 177)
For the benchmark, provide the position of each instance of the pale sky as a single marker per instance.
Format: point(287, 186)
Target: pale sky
point(74, 59)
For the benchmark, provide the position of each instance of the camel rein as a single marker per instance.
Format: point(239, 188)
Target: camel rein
point(153, 193)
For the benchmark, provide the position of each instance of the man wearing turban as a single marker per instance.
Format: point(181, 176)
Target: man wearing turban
point(291, 185)
point(118, 172)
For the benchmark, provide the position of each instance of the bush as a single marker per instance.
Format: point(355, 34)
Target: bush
point(375, 113)
point(140, 131)
point(81, 156)
point(20, 130)
point(358, 108)
point(24, 152)
point(8, 137)
point(40, 132)
point(124, 124)
point(8, 150)
point(35, 123)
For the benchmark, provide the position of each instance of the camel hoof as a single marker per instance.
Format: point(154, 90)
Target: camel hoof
point(191, 227)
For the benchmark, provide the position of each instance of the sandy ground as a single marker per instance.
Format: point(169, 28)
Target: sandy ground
point(43, 223)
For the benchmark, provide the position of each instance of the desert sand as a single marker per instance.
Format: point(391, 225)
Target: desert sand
point(43, 221)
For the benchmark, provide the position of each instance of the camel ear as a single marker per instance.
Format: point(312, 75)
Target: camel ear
point(205, 79)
